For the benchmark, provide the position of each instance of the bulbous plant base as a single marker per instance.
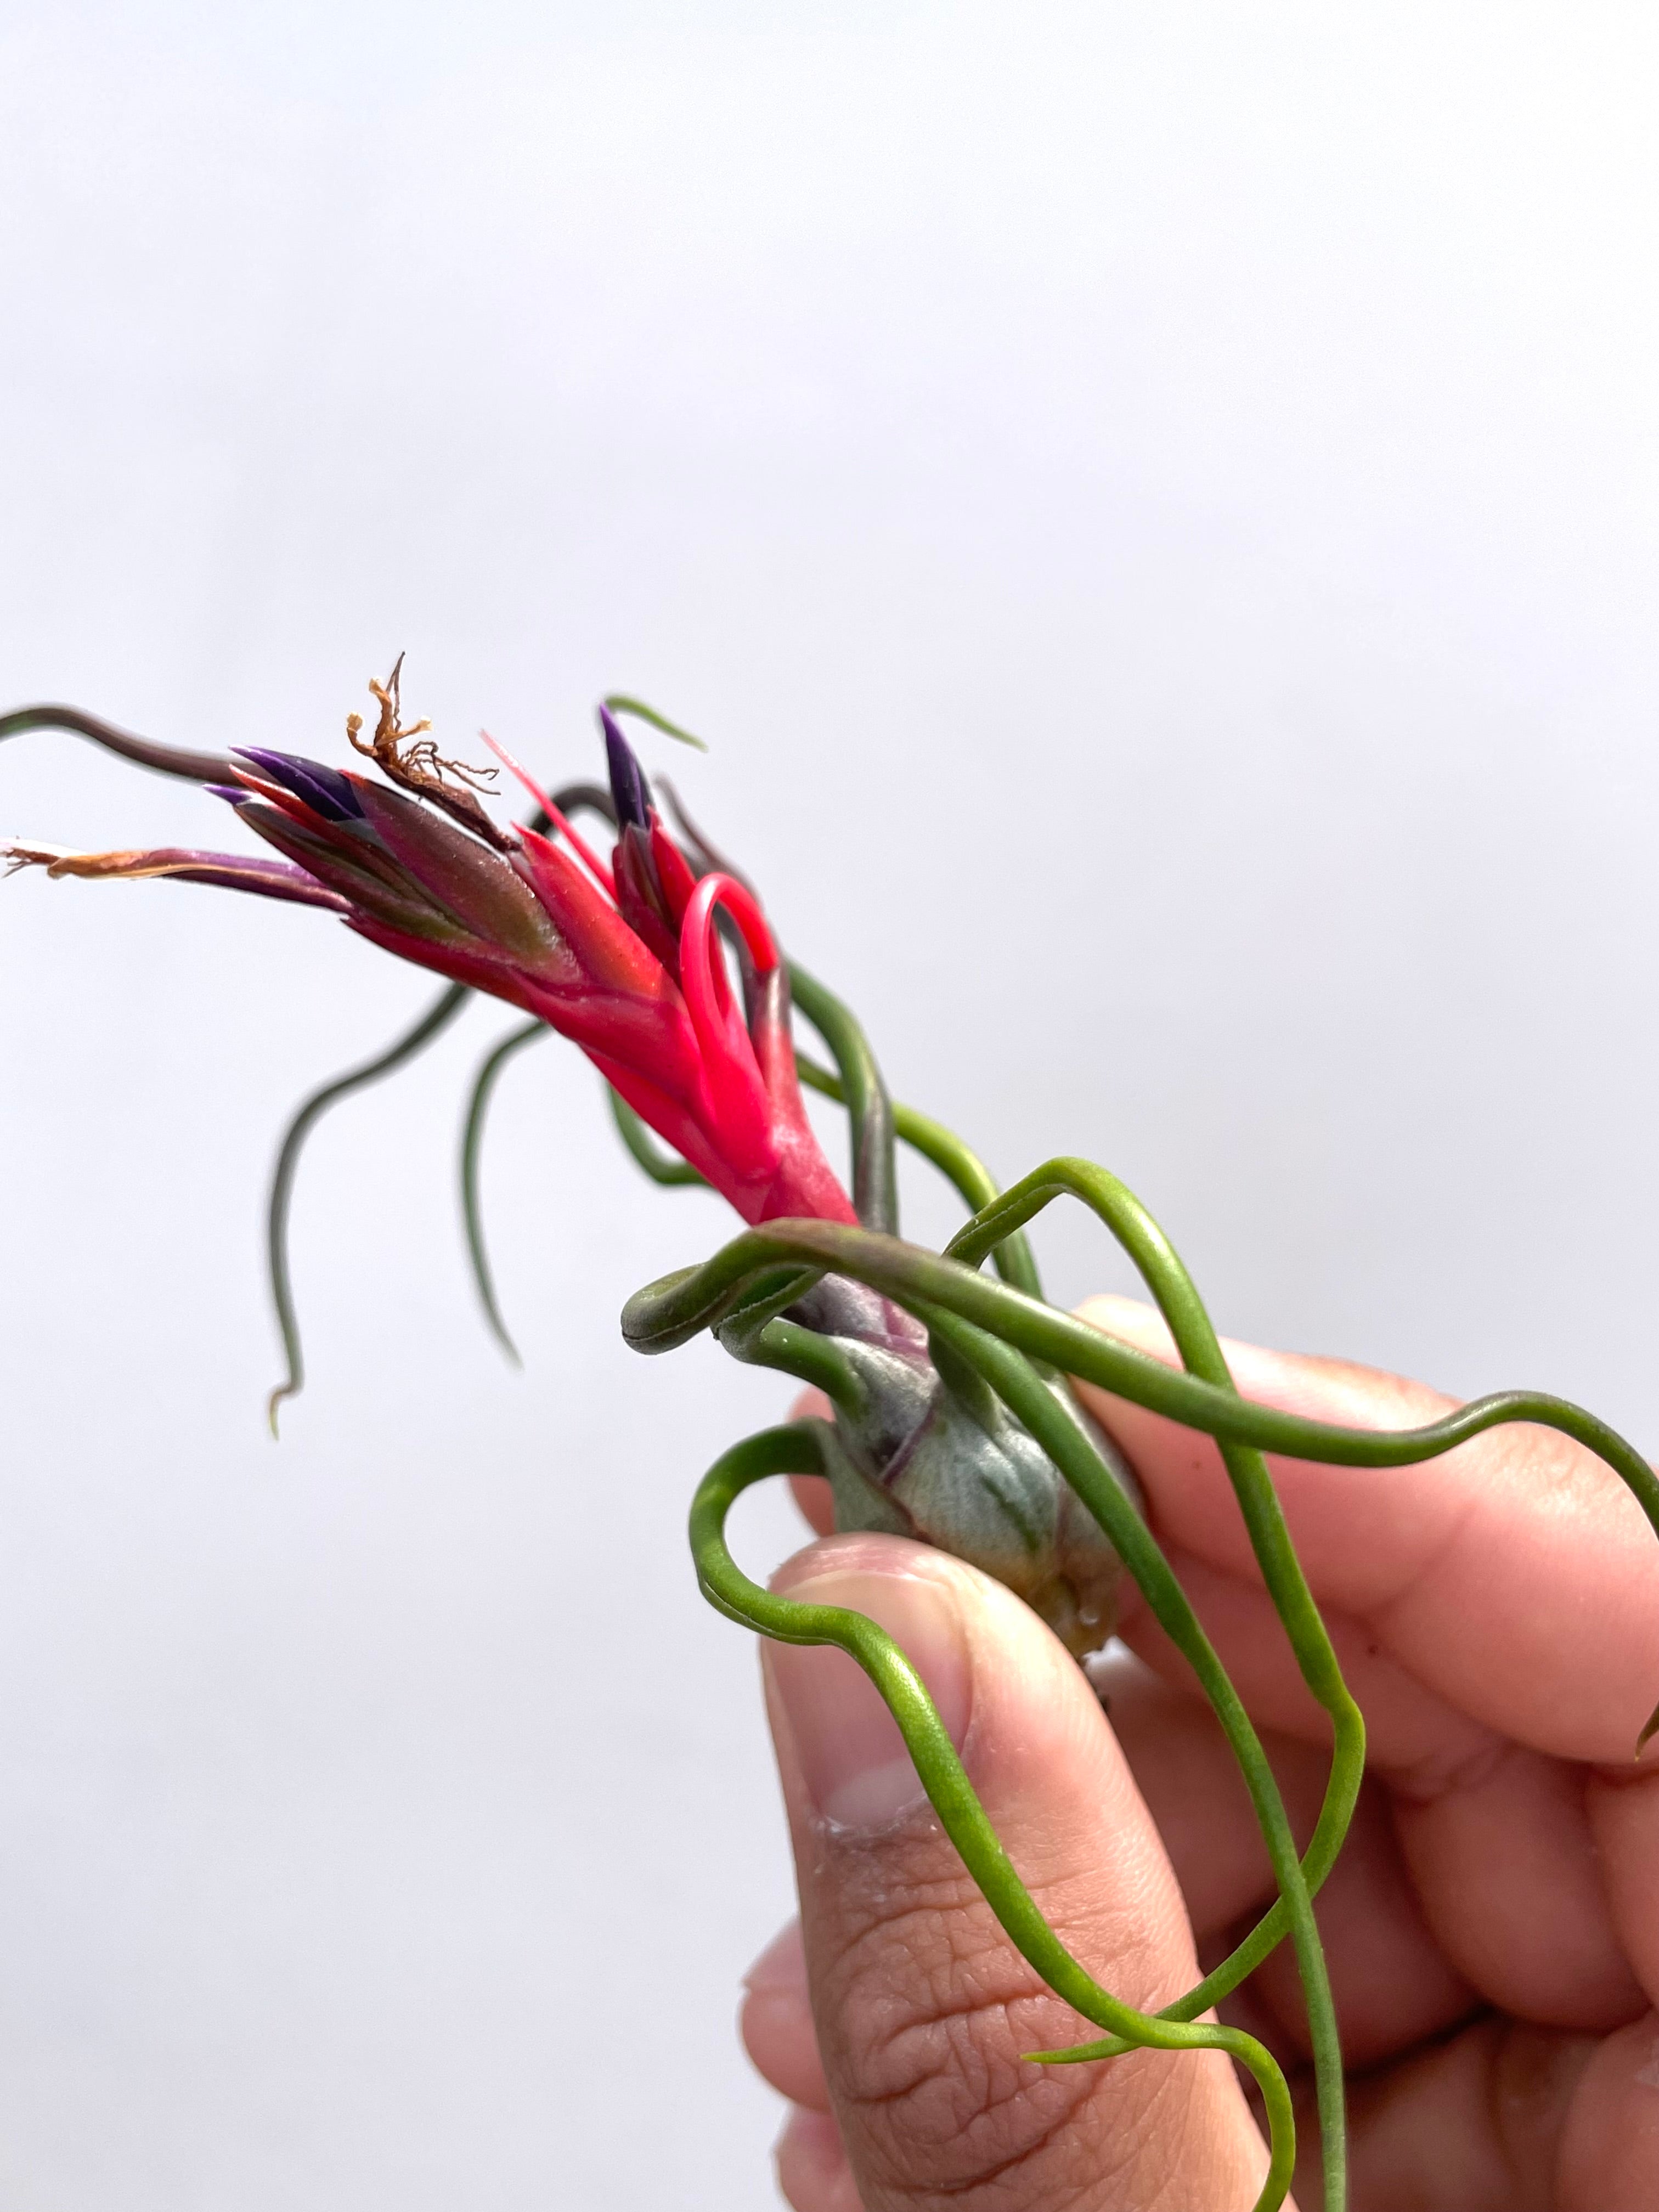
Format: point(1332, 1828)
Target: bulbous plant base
point(950, 1466)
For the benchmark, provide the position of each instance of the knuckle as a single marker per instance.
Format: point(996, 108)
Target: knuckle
point(925, 2008)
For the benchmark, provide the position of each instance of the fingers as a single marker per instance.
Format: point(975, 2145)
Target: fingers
point(922, 2006)
point(1508, 2118)
point(1418, 1736)
point(1513, 1884)
point(776, 2022)
point(1391, 1981)
point(1609, 2155)
point(818, 1507)
point(1479, 2123)
point(777, 2029)
point(1515, 1578)
point(812, 1491)
point(1623, 1822)
point(812, 2169)
point(1193, 1788)
point(1506, 1869)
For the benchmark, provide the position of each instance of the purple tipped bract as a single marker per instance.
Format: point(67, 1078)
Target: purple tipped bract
point(323, 789)
point(628, 784)
point(235, 794)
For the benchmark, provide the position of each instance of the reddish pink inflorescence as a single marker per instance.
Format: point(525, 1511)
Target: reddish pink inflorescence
point(626, 961)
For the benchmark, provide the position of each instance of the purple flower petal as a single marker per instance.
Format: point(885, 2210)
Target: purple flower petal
point(628, 784)
point(323, 789)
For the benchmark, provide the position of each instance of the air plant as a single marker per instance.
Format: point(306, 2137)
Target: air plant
point(953, 1419)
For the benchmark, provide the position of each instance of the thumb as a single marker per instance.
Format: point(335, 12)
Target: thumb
point(922, 2006)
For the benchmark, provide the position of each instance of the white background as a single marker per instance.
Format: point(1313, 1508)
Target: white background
point(1156, 510)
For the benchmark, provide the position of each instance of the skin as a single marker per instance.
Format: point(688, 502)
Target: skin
point(1492, 1928)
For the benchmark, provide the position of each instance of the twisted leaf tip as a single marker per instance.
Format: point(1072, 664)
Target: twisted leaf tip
point(619, 702)
point(284, 1390)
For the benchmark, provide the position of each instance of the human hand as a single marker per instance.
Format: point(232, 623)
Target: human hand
point(1491, 1927)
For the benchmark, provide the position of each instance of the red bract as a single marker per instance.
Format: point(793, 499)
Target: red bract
point(628, 963)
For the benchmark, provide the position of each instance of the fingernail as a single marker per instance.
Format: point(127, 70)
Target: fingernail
point(852, 1758)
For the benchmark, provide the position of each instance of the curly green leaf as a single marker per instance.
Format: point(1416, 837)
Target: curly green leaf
point(144, 752)
point(437, 1018)
point(682, 1305)
point(955, 1161)
point(863, 1092)
point(619, 702)
point(478, 1109)
point(796, 1450)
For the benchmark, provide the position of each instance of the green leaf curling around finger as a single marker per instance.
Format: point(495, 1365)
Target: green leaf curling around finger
point(1177, 1295)
point(1065, 1439)
point(796, 1450)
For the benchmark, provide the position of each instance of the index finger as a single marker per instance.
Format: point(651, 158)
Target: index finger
point(1516, 1576)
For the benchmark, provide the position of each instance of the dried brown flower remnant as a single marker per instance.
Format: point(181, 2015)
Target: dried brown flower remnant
point(415, 761)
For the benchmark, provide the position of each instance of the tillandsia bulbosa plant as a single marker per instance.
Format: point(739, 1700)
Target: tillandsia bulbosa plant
point(953, 1421)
